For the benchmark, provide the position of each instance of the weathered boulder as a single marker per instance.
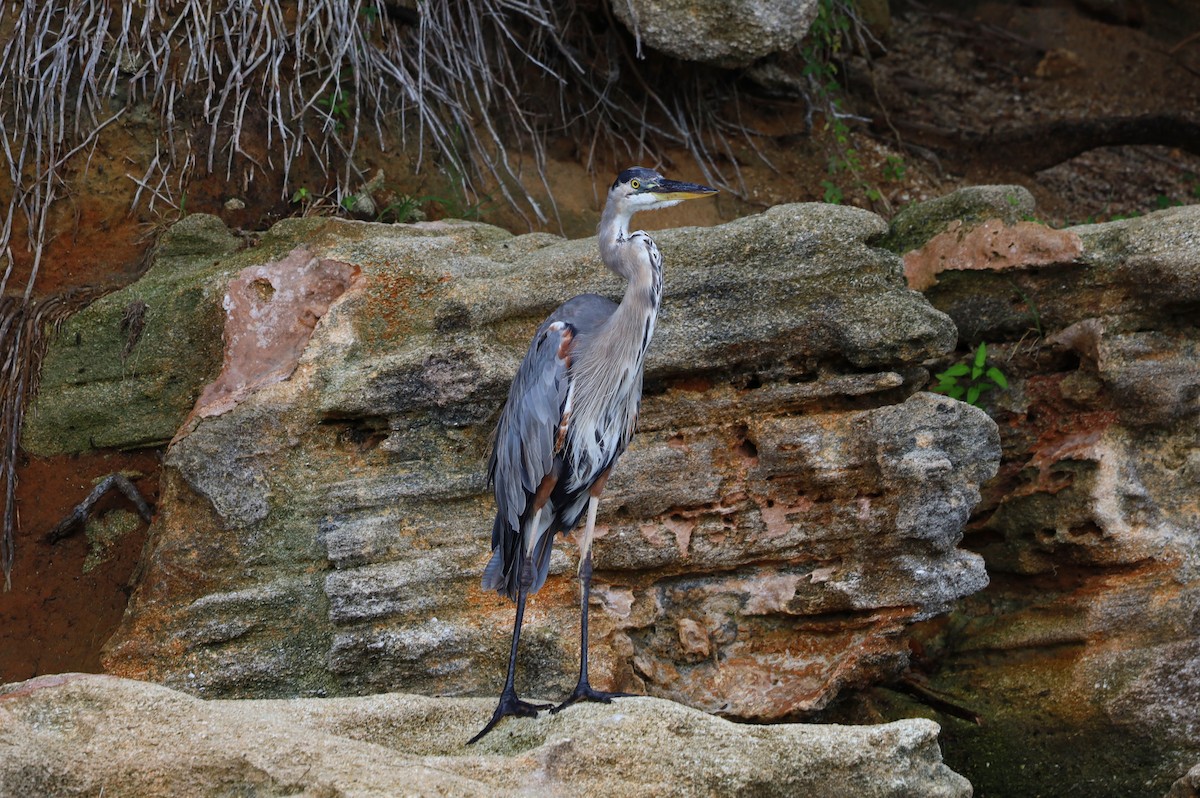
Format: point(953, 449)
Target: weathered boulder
point(788, 509)
point(1083, 648)
point(125, 371)
point(726, 33)
point(1188, 785)
point(915, 225)
point(79, 735)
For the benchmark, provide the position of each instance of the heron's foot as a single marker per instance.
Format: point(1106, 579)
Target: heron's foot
point(509, 705)
point(584, 692)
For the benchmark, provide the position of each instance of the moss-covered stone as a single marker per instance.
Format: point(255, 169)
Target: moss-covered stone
point(918, 223)
point(196, 235)
point(124, 371)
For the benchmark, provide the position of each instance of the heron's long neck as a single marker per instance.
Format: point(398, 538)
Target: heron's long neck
point(636, 258)
point(608, 368)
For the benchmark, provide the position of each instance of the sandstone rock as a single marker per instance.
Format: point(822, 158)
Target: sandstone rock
point(80, 735)
point(992, 246)
point(965, 208)
point(727, 33)
point(1085, 640)
point(271, 311)
point(126, 370)
point(1188, 786)
point(788, 509)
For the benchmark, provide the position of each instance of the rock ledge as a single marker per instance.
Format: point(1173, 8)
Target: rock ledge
point(83, 734)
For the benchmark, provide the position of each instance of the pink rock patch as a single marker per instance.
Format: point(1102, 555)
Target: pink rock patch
point(991, 246)
point(271, 311)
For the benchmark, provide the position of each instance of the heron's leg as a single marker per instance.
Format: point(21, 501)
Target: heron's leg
point(583, 689)
point(509, 703)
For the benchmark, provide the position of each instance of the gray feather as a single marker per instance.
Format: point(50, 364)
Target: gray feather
point(523, 449)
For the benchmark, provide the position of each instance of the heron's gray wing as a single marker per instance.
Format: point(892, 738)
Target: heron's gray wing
point(585, 312)
point(526, 435)
point(530, 432)
point(523, 450)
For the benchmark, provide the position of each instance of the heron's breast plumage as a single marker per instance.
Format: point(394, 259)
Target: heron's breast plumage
point(606, 372)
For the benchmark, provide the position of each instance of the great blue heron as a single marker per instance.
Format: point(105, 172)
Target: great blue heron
point(570, 414)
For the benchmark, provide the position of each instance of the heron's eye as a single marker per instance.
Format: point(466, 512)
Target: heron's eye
point(635, 184)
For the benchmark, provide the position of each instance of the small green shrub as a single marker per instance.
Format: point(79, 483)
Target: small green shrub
point(894, 169)
point(969, 379)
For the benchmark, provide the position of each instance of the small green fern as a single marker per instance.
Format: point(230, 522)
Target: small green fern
point(968, 380)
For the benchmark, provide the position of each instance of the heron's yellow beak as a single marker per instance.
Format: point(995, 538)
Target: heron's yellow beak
point(668, 190)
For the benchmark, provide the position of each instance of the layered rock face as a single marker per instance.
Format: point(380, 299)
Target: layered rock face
point(1084, 649)
point(790, 506)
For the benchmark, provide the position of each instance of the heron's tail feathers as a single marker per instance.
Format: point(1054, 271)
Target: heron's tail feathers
point(507, 567)
point(495, 576)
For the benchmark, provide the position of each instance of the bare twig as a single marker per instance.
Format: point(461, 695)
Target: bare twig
point(78, 516)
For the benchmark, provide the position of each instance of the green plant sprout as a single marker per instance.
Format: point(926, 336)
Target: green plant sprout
point(337, 104)
point(403, 209)
point(894, 169)
point(835, 28)
point(970, 380)
point(833, 192)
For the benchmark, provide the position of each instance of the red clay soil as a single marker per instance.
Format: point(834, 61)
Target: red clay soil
point(57, 615)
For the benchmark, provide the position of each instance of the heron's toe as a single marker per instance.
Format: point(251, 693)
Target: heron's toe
point(584, 692)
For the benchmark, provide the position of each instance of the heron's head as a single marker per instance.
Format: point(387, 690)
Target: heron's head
point(640, 189)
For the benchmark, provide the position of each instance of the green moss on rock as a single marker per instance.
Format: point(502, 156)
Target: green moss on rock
point(125, 370)
point(918, 223)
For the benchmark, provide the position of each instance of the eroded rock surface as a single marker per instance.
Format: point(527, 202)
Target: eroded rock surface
point(1084, 645)
point(270, 313)
point(78, 735)
point(789, 508)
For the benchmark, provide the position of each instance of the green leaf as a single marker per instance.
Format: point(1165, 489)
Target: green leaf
point(833, 192)
point(973, 395)
point(981, 354)
point(997, 376)
point(976, 372)
point(957, 370)
point(956, 392)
